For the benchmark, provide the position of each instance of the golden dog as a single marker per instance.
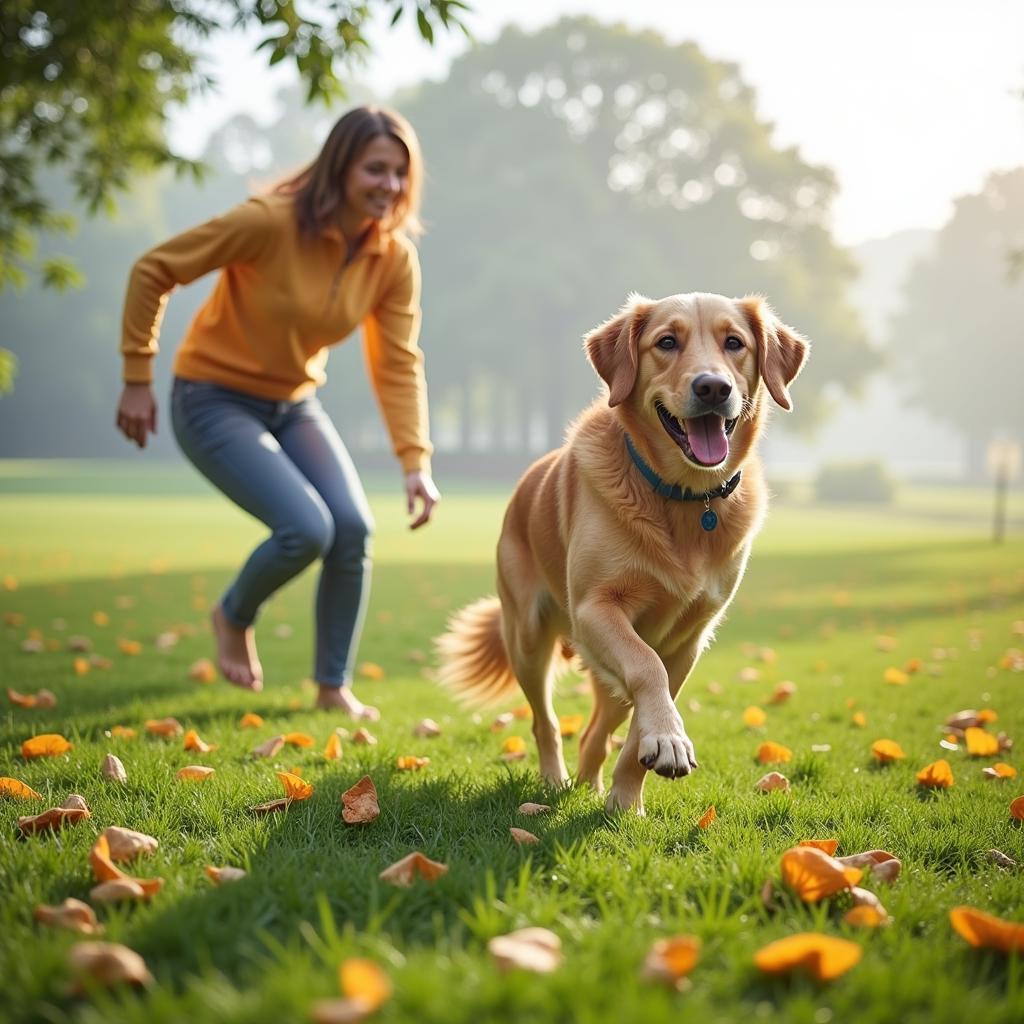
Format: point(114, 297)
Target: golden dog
point(629, 541)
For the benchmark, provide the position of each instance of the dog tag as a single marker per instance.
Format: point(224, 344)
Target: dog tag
point(709, 520)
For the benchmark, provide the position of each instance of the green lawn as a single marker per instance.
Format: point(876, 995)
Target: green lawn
point(822, 585)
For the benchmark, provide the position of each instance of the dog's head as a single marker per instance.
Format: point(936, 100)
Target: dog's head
point(691, 368)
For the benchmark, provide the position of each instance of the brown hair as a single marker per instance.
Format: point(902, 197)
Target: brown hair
point(319, 188)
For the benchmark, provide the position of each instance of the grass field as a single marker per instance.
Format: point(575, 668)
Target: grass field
point(822, 587)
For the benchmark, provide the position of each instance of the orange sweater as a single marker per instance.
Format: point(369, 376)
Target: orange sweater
point(278, 304)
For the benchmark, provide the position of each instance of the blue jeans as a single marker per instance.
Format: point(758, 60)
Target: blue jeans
point(284, 463)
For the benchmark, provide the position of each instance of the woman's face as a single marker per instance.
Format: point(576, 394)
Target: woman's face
point(377, 178)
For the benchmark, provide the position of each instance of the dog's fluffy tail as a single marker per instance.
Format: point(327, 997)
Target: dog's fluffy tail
point(474, 662)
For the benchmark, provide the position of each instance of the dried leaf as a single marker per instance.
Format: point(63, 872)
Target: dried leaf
point(46, 745)
point(106, 964)
point(269, 748)
point(363, 982)
point(502, 721)
point(529, 949)
point(986, 931)
point(75, 802)
point(18, 790)
point(126, 844)
point(338, 1011)
point(52, 820)
point(864, 899)
point(771, 782)
point(754, 717)
point(194, 773)
point(360, 805)
point(104, 869)
point(411, 763)
point(813, 875)
point(428, 728)
point(72, 914)
point(937, 775)
point(980, 743)
point(132, 648)
point(371, 670)
point(963, 720)
point(513, 749)
point(859, 719)
point(299, 739)
point(821, 956)
point(364, 736)
point(164, 727)
point(1000, 859)
point(896, 677)
point(671, 960)
point(403, 872)
point(1000, 770)
point(122, 732)
point(707, 817)
point(1017, 808)
point(21, 700)
point(522, 837)
point(118, 890)
point(113, 769)
point(783, 692)
point(865, 916)
point(250, 720)
point(773, 753)
point(202, 671)
point(271, 806)
point(333, 751)
point(882, 864)
point(295, 788)
point(886, 751)
point(226, 874)
point(569, 725)
point(193, 742)
point(529, 808)
point(829, 846)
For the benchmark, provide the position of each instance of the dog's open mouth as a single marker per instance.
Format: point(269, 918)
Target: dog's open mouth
point(703, 439)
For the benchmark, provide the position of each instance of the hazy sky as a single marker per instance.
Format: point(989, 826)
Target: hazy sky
point(911, 102)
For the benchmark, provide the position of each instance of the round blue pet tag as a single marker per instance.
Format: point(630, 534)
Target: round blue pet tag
point(709, 520)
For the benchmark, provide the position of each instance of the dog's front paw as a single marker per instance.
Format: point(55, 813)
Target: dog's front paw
point(669, 752)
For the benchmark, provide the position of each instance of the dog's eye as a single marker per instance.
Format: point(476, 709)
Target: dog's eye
point(667, 343)
point(733, 344)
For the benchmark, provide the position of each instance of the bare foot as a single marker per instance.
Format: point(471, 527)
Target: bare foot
point(332, 698)
point(236, 652)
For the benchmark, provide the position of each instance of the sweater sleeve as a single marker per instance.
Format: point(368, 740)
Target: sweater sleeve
point(395, 363)
point(239, 236)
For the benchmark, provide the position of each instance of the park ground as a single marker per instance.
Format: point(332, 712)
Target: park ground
point(837, 600)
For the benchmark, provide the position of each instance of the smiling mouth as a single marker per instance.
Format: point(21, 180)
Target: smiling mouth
point(704, 440)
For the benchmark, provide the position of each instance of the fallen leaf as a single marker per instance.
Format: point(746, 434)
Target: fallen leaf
point(202, 671)
point(980, 743)
point(106, 964)
point(773, 753)
point(411, 763)
point(529, 949)
point(895, 677)
point(75, 802)
point(364, 736)
point(113, 769)
point(294, 787)
point(937, 775)
point(866, 916)
point(52, 820)
point(271, 806)
point(193, 742)
point(513, 749)
point(671, 960)
point(194, 773)
point(886, 643)
point(299, 739)
point(859, 719)
point(428, 728)
point(226, 874)
point(768, 896)
point(1000, 770)
point(21, 700)
point(821, 956)
point(865, 899)
point(754, 717)
point(707, 817)
point(782, 692)
point(132, 648)
point(829, 846)
point(523, 712)
point(504, 719)
point(913, 666)
point(364, 982)
point(522, 837)
point(1017, 808)
point(18, 789)
point(999, 858)
point(332, 752)
point(569, 725)
point(81, 666)
point(122, 732)
point(882, 864)
point(529, 808)
point(250, 720)
point(371, 670)
point(360, 805)
point(771, 782)
point(886, 751)
point(72, 914)
point(126, 844)
point(986, 931)
point(104, 869)
point(164, 727)
point(403, 872)
point(813, 875)
point(48, 744)
point(118, 890)
point(987, 715)
point(963, 720)
point(269, 748)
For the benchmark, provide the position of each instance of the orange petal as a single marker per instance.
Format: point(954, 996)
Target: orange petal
point(193, 742)
point(753, 717)
point(813, 875)
point(569, 725)
point(707, 817)
point(937, 775)
point(522, 837)
point(1017, 808)
point(194, 773)
point(411, 763)
point(164, 727)
point(773, 753)
point(887, 750)
point(822, 956)
point(529, 949)
point(828, 845)
point(670, 960)
point(72, 914)
point(299, 739)
point(12, 787)
point(1000, 770)
point(333, 749)
point(360, 805)
point(47, 745)
point(250, 720)
point(364, 982)
point(980, 743)
point(986, 931)
point(226, 874)
point(294, 787)
point(403, 872)
point(772, 781)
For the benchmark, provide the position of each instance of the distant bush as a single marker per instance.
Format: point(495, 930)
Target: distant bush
point(867, 482)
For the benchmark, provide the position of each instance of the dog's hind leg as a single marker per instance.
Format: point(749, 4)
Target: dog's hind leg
point(608, 714)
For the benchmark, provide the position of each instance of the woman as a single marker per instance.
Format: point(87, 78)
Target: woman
point(300, 269)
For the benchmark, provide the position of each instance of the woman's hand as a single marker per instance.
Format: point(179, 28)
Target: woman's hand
point(419, 485)
point(136, 413)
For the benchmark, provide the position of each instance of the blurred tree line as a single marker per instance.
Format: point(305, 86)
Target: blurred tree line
point(565, 168)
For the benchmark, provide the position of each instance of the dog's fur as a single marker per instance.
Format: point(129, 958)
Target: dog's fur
point(590, 555)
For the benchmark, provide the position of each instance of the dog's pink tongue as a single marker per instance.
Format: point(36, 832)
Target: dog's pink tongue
point(708, 442)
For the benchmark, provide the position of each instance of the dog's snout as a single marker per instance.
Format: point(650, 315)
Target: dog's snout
point(712, 388)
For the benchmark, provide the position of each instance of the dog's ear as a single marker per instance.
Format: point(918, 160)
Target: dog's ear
point(612, 347)
point(781, 351)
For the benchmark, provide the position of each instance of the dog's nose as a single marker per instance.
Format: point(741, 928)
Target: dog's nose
point(712, 388)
